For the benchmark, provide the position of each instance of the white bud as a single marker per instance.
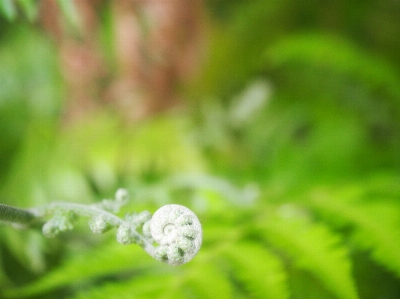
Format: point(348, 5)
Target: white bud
point(122, 195)
point(124, 235)
point(99, 224)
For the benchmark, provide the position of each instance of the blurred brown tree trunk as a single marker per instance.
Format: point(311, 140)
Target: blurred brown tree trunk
point(157, 46)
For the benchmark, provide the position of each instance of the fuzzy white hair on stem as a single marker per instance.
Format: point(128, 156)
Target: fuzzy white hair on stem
point(175, 228)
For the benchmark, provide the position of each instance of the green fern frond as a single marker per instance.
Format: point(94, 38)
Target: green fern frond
point(29, 8)
point(3, 277)
point(205, 280)
point(107, 260)
point(201, 281)
point(8, 9)
point(135, 149)
point(144, 286)
point(261, 273)
point(375, 187)
point(313, 247)
point(375, 224)
point(338, 55)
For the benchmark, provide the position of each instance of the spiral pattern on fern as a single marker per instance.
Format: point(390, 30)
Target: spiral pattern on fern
point(178, 231)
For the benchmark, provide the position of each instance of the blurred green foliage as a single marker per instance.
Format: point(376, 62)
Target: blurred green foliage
point(290, 155)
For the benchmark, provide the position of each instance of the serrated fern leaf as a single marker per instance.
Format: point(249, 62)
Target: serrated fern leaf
point(145, 286)
point(376, 226)
point(313, 248)
point(97, 263)
point(207, 281)
point(200, 281)
point(336, 54)
point(259, 270)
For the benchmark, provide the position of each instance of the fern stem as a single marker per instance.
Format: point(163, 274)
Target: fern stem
point(15, 215)
point(91, 211)
point(78, 209)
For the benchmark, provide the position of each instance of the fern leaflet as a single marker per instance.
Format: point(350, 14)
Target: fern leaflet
point(94, 264)
point(261, 272)
point(376, 226)
point(207, 281)
point(145, 286)
point(313, 248)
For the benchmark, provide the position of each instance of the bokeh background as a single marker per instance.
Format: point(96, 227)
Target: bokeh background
point(277, 122)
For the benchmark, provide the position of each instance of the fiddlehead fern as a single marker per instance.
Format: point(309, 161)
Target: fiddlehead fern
point(174, 227)
point(179, 233)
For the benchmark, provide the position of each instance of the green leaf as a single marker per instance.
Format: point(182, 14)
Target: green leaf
point(375, 224)
point(154, 285)
point(336, 54)
point(3, 276)
point(70, 12)
point(8, 9)
point(102, 261)
point(262, 273)
point(198, 280)
point(30, 8)
point(313, 248)
point(206, 280)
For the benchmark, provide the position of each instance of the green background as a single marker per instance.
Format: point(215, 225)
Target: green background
point(288, 151)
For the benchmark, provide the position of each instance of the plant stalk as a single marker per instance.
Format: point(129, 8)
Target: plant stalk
point(15, 215)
